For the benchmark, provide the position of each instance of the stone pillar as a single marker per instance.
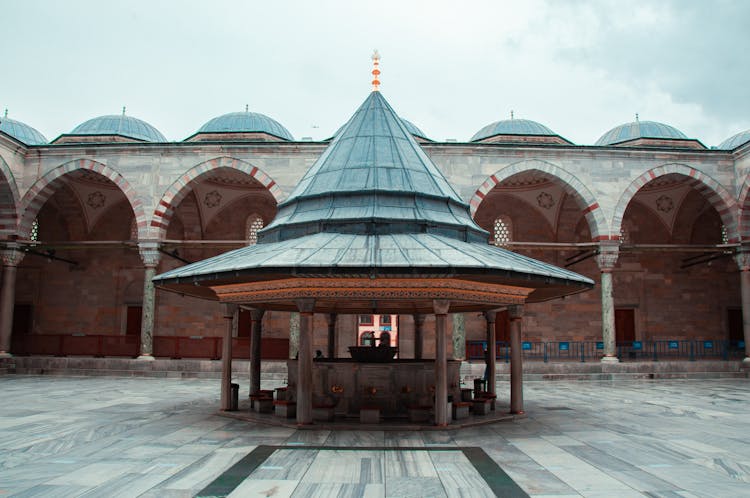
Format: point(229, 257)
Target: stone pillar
point(490, 359)
point(743, 262)
point(305, 361)
point(606, 260)
point(256, 333)
point(441, 361)
point(150, 256)
point(459, 336)
point(293, 334)
point(418, 336)
point(11, 257)
point(331, 320)
point(226, 357)
point(516, 366)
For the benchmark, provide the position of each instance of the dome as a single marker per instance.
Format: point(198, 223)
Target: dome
point(126, 126)
point(640, 129)
point(21, 131)
point(411, 128)
point(735, 141)
point(512, 127)
point(246, 122)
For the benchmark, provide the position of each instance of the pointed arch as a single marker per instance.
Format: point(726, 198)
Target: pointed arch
point(744, 210)
point(9, 201)
point(714, 193)
point(179, 189)
point(44, 188)
point(571, 184)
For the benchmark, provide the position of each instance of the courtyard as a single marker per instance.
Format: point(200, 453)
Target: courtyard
point(106, 436)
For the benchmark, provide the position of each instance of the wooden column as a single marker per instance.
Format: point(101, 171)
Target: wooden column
point(256, 331)
point(606, 260)
point(441, 361)
point(331, 320)
point(490, 357)
point(11, 257)
point(516, 365)
point(226, 357)
point(418, 336)
point(305, 362)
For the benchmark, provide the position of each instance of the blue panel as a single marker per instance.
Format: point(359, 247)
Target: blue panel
point(600, 345)
point(637, 345)
point(708, 344)
point(674, 345)
point(564, 346)
point(526, 346)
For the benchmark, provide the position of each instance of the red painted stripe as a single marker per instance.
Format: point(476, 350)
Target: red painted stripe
point(591, 208)
point(480, 194)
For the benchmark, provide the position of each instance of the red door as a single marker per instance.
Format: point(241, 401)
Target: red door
point(624, 325)
point(734, 323)
point(502, 327)
point(133, 321)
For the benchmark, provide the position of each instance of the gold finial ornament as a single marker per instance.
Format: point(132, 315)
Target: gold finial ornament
point(375, 71)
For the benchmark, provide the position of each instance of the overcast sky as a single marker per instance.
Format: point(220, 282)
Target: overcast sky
point(450, 67)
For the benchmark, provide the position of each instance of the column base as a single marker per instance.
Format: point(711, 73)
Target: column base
point(5, 354)
point(146, 357)
point(745, 362)
point(610, 359)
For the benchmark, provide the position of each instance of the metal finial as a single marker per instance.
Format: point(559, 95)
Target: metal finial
point(636, 117)
point(511, 114)
point(247, 108)
point(375, 71)
point(123, 110)
point(6, 113)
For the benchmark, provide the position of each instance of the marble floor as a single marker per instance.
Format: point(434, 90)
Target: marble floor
point(110, 437)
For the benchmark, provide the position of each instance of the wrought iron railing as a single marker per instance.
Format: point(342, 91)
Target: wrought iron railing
point(583, 351)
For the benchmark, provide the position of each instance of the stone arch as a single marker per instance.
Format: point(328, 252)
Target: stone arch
point(8, 201)
point(744, 210)
point(44, 188)
point(593, 212)
point(714, 193)
point(179, 189)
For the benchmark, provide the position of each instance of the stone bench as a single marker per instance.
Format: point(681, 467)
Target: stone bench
point(281, 393)
point(323, 411)
point(461, 409)
point(285, 409)
point(369, 415)
point(481, 406)
point(261, 403)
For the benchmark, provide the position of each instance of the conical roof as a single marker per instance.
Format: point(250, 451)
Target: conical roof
point(373, 205)
point(373, 179)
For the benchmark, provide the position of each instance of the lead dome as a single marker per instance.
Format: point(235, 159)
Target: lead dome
point(21, 131)
point(640, 129)
point(115, 126)
point(735, 141)
point(517, 131)
point(242, 124)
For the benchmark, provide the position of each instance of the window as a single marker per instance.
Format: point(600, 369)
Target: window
point(365, 319)
point(503, 231)
point(367, 339)
point(34, 235)
point(252, 225)
point(385, 319)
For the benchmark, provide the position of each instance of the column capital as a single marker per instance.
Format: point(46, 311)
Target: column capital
point(441, 306)
point(490, 316)
point(11, 254)
point(256, 314)
point(419, 318)
point(229, 310)
point(150, 254)
point(609, 251)
point(515, 312)
point(305, 305)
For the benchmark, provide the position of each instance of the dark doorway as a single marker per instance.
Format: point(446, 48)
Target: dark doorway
point(624, 325)
point(244, 323)
point(734, 323)
point(22, 316)
point(502, 327)
point(133, 320)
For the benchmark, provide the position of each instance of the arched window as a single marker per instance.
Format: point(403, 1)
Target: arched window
point(503, 231)
point(367, 339)
point(252, 225)
point(34, 235)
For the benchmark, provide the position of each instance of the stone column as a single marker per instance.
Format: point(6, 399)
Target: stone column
point(418, 336)
point(226, 357)
point(305, 361)
point(459, 336)
point(516, 366)
point(606, 260)
point(293, 334)
point(150, 256)
point(331, 319)
point(441, 361)
point(256, 332)
point(11, 257)
point(490, 359)
point(743, 262)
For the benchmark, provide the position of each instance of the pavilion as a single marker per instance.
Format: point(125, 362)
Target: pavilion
point(373, 227)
